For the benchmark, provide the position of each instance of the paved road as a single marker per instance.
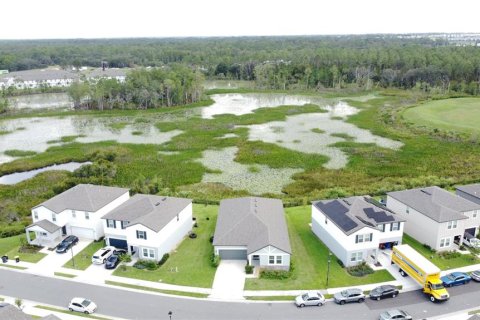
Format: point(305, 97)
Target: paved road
point(133, 305)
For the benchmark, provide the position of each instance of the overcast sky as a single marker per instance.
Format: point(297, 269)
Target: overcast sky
point(40, 19)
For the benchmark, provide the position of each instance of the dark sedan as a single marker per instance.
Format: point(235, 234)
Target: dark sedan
point(67, 243)
point(386, 291)
point(112, 261)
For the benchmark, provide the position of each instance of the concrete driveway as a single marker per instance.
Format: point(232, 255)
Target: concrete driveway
point(54, 261)
point(96, 273)
point(229, 280)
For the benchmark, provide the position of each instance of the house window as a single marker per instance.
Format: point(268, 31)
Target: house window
point(271, 259)
point(74, 214)
point(148, 253)
point(279, 260)
point(475, 213)
point(87, 215)
point(141, 235)
point(452, 224)
point(363, 238)
point(356, 256)
point(381, 227)
point(445, 242)
point(407, 210)
point(395, 226)
point(326, 221)
point(124, 224)
point(35, 215)
point(111, 224)
point(54, 217)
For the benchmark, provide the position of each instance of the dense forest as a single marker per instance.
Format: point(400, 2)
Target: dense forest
point(274, 62)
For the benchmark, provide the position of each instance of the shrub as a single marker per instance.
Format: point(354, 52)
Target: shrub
point(164, 259)
point(195, 225)
point(214, 260)
point(360, 270)
point(340, 263)
point(275, 274)
point(146, 264)
point(13, 230)
point(248, 269)
point(211, 239)
point(449, 254)
point(426, 246)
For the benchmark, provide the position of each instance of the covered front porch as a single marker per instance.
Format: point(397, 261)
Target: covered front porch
point(44, 233)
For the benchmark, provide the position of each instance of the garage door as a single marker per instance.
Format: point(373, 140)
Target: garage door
point(118, 243)
point(84, 233)
point(233, 254)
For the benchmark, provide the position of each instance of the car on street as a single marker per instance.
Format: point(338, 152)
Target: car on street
point(475, 275)
point(349, 295)
point(386, 291)
point(102, 255)
point(310, 298)
point(395, 314)
point(455, 279)
point(82, 305)
point(66, 244)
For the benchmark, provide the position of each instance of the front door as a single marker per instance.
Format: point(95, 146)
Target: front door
point(64, 230)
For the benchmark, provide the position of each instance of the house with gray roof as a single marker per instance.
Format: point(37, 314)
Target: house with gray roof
point(148, 226)
point(96, 74)
point(38, 78)
point(253, 229)
point(77, 211)
point(356, 229)
point(434, 216)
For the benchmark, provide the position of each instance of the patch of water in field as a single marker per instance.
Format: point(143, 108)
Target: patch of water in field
point(21, 176)
point(227, 84)
point(33, 134)
point(296, 133)
point(41, 101)
point(256, 179)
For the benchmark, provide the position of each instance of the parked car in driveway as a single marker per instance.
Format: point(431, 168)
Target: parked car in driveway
point(311, 298)
point(475, 275)
point(387, 291)
point(102, 255)
point(82, 305)
point(349, 295)
point(66, 244)
point(112, 261)
point(455, 279)
point(395, 314)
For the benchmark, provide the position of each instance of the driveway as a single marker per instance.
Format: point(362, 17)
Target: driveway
point(96, 273)
point(229, 280)
point(54, 261)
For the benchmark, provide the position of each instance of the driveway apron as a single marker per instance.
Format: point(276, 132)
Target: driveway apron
point(229, 280)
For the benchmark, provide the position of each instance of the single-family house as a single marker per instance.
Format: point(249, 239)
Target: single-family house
point(106, 73)
point(355, 229)
point(255, 230)
point(38, 78)
point(77, 211)
point(148, 225)
point(434, 216)
point(471, 192)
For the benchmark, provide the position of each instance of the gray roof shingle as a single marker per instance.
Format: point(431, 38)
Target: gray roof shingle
point(354, 213)
point(252, 222)
point(471, 189)
point(11, 312)
point(154, 212)
point(46, 225)
point(40, 75)
point(435, 203)
point(83, 197)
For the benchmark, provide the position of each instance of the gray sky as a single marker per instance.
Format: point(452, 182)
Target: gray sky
point(40, 19)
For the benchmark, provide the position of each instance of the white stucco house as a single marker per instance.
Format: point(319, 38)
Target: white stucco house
point(38, 78)
point(435, 216)
point(77, 211)
point(148, 226)
point(355, 229)
point(254, 230)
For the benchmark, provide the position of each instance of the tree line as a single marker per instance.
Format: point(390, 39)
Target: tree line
point(142, 89)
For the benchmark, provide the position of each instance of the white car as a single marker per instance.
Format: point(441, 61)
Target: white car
point(82, 305)
point(471, 241)
point(102, 255)
point(311, 298)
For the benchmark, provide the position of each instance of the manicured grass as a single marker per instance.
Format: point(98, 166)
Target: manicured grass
point(13, 267)
point(172, 292)
point(309, 255)
point(83, 259)
point(11, 247)
point(189, 265)
point(461, 114)
point(73, 313)
point(66, 275)
point(272, 298)
point(436, 259)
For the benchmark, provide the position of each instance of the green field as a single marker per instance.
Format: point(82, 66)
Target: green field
point(462, 114)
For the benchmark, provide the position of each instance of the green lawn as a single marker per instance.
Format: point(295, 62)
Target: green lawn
point(310, 258)
point(11, 246)
point(442, 263)
point(461, 114)
point(189, 265)
point(83, 259)
point(172, 292)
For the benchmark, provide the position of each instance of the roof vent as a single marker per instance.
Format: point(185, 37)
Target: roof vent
point(157, 204)
point(426, 192)
point(348, 203)
point(164, 198)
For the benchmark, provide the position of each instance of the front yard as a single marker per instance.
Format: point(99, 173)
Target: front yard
point(83, 259)
point(443, 263)
point(189, 265)
point(12, 247)
point(310, 260)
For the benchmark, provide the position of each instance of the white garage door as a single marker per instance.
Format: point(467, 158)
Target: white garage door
point(85, 233)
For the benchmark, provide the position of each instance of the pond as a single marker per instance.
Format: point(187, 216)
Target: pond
point(21, 176)
point(41, 101)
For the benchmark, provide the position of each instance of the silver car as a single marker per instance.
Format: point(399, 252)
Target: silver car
point(475, 275)
point(395, 314)
point(311, 298)
point(349, 295)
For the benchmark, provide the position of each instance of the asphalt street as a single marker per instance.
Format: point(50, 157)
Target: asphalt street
point(135, 305)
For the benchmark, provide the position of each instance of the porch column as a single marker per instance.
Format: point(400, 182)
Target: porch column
point(28, 236)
